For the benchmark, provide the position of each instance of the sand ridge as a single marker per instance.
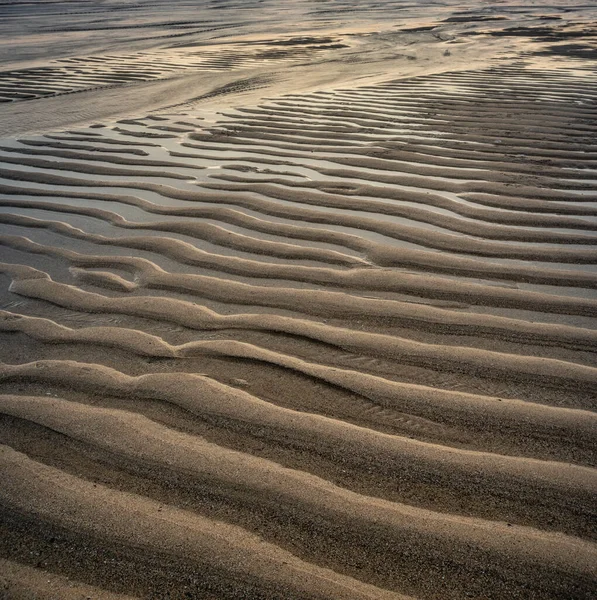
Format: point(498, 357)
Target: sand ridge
point(298, 300)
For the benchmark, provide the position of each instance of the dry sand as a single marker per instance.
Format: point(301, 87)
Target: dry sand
point(298, 300)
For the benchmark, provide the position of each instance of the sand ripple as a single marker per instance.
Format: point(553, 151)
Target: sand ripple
point(339, 344)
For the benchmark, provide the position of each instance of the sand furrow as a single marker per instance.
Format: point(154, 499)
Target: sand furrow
point(98, 511)
point(477, 229)
point(266, 483)
point(371, 279)
point(22, 583)
point(321, 324)
point(409, 258)
point(539, 484)
point(213, 234)
point(432, 413)
point(317, 303)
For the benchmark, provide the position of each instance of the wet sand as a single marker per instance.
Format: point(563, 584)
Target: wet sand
point(298, 301)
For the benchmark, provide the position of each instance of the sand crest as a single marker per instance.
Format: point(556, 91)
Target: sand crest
point(298, 300)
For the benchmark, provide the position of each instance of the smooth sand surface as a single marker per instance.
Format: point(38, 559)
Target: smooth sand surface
point(298, 300)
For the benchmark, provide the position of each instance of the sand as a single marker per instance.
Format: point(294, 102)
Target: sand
point(298, 300)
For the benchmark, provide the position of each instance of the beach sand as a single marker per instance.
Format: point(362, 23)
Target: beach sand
point(298, 300)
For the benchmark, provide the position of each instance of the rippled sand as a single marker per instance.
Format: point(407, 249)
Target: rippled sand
point(298, 301)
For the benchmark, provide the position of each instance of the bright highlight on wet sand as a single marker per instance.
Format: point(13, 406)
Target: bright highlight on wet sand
point(298, 300)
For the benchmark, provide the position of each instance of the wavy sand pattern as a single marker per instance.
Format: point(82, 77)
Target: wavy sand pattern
point(284, 337)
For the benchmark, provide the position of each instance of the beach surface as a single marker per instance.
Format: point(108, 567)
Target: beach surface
point(298, 301)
